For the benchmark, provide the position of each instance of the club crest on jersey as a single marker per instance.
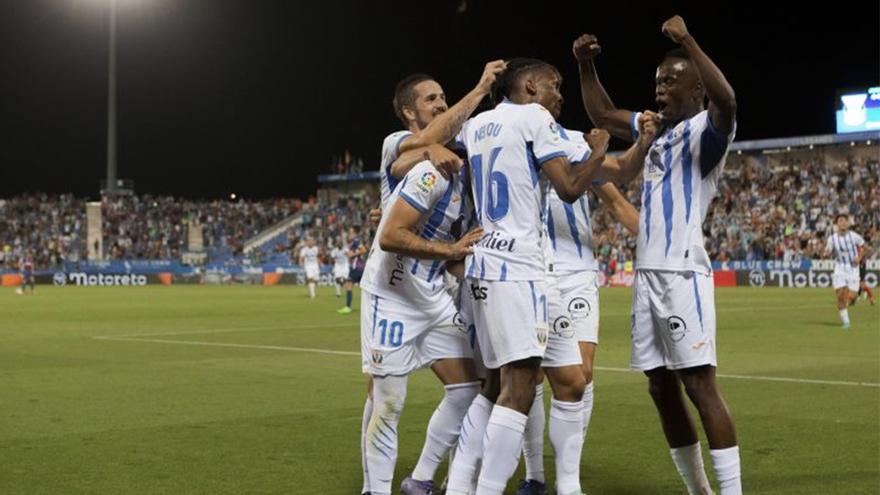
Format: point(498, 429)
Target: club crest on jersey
point(562, 327)
point(378, 357)
point(542, 336)
point(677, 328)
point(579, 308)
point(427, 181)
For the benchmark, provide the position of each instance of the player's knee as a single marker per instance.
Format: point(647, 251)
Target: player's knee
point(588, 373)
point(700, 388)
point(662, 384)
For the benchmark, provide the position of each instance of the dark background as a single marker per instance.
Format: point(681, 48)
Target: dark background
point(256, 96)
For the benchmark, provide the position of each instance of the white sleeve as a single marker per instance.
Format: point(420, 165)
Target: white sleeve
point(859, 240)
point(391, 147)
point(547, 143)
point(829, 244)
point(423, 186)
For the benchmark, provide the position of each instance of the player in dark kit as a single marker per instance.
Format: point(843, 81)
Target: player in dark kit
point(26, 265)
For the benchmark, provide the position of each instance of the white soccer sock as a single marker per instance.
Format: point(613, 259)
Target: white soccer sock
point(470, 447)
point(365, 423)
point(588, 406)
point(567, 438)
point(844, 316)
point(501, 448)
point(338, 290)
point(726, 465)
point(312, 290)
point(533, 440)
point(689, 462)
point(389, 394)
point(444, 427)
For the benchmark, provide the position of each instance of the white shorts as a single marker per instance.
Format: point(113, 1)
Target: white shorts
point(845, 277)
point(398, 338)
point(465, 317)
point(510, 319)
point(313, 272)
point(580, 297)
point(673, 320)
point(340, 272)
point(562, 342)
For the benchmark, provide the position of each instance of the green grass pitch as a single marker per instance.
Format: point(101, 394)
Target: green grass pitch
point(219, 390)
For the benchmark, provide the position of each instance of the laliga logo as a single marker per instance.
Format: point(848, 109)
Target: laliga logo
point(427, 181)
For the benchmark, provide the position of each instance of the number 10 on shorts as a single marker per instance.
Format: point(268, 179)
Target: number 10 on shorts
point(392, 333)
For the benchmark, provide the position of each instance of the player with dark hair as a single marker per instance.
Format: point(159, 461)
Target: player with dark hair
point(26, 265)
point(516, 152)
point(673, 320)
point(863, 271)
point(848, 249)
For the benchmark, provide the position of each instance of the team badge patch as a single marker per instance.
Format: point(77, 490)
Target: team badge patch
point(677, 328)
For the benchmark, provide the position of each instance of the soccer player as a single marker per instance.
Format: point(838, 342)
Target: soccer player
point(357, 249)
point(26, 265)
point(408, 321)
point(420, 104)
point(508, 148)
point(863, 271)
point(574, 311)
point(340, 266)
point(308, 259)
point(673, 319)
point(847, 247)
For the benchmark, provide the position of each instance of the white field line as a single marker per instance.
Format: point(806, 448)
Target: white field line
point(349, 353)
point(355, 324)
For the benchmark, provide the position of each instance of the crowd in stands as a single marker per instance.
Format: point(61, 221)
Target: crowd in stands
point(779, 209)
point(53, 228)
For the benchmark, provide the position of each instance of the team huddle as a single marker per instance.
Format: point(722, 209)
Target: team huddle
point(483, 270)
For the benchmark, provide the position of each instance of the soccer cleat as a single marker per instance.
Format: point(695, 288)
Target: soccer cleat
point(532, 487)
point(344, 311)
point(411, 486)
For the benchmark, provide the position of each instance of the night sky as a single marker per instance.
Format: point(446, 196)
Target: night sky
point(256, 96)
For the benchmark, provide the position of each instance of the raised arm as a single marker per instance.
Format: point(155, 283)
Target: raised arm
point(446, 161)
point(399, 236)
point(445, 126)
point(622, 210)
point(597, 103)
point(722, 99)
point(626, 167)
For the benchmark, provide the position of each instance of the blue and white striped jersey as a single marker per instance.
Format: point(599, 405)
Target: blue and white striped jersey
point(390, 152)
point(680, 179)
point(845, 248)
point(569, 229)
point(446, 216)
point(506, 147)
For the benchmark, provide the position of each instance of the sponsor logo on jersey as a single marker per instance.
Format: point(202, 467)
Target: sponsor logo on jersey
point(579, 308)
point(677, 328)
point(562, 327)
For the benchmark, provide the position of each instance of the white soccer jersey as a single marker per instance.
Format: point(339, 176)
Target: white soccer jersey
point(390, 152)
point(569, 230)
point(845, 248)
point(340, 259)
point(680, 178)
point(506, 147)
point(445, 217)
point(310, 254)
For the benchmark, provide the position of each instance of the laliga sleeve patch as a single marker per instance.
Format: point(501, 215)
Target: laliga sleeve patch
point(427, 181)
